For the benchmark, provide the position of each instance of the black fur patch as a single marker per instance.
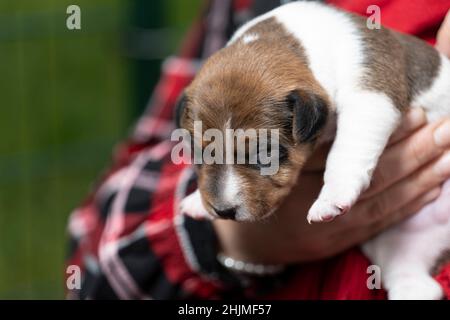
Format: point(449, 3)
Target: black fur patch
point(310, 115)
point(180, 106)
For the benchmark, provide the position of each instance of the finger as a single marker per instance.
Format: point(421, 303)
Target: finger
point(403, 192)
point(361, 234)
point(413, 120)
point(407, 156)
point(443, 36)
point(410, 209)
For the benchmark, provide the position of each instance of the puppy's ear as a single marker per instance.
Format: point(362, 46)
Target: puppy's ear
point(180, 108)
point(310, 113)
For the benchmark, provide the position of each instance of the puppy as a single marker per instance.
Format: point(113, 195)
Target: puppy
point(316, 73)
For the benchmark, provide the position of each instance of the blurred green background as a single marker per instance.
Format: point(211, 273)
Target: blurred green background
point(67, 96)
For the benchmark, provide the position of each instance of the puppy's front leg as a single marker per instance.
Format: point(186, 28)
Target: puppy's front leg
point(365, 122)
point(192, 206)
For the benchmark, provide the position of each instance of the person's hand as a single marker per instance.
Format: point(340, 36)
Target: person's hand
point(408, 176)
point(443, 36)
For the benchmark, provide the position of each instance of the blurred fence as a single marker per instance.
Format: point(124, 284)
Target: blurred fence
point(67, 96)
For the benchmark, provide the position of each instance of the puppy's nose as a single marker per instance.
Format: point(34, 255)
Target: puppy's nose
point(227, 213)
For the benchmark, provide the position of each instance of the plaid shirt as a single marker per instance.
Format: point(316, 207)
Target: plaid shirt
point(130, 240)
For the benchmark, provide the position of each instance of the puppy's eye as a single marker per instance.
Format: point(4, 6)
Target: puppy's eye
point(264, 158)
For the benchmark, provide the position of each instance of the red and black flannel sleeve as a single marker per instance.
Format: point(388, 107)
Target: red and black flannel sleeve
point(128, 237)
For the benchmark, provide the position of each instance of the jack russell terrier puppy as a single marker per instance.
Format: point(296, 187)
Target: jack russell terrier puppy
point(317, 74)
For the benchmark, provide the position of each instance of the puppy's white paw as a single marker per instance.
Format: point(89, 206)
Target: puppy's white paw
point(416, 288)
point(192, 206)
point(334, 200)
point(324, 210)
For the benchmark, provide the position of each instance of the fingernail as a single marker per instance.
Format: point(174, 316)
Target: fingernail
point(442, 167)
point(416, 117)
point(442, 135)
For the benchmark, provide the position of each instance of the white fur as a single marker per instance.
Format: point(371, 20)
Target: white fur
point(362, 134)
point(231, 187)
point(231, 194)
point(333, 41)
point(406, 252)
point(335, 55)
point(365, 121)
point(248, 38)
point(193, 207)
point(435, 99)
point(231, 183)
point(247, 26)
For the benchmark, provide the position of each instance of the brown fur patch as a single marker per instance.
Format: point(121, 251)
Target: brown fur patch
point(245, 86)
point(423, 63)
point(399, 65)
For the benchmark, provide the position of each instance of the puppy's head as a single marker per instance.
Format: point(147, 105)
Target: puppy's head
point(252, 88)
